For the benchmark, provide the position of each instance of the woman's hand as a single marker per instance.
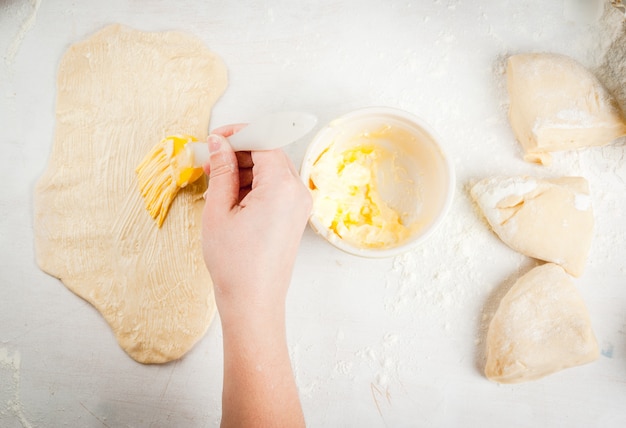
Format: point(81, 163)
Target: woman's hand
point(255, 213)
point(254, 216)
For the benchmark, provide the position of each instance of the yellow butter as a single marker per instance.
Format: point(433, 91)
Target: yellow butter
point(346, 197)
point(180, 162)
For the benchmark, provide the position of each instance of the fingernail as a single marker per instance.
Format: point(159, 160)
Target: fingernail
point(215, 143)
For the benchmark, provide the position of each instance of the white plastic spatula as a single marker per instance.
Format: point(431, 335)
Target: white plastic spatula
point(268, 132)
point(176, 160)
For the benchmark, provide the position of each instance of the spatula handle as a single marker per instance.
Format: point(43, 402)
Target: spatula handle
point(269, 132)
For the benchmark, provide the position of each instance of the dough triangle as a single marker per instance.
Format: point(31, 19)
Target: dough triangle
point(541, 326)
point(556, 104)
point(548, 219)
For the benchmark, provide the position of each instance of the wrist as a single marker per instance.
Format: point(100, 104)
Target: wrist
point(252, 319)
point(246, 303)
point(258, 338)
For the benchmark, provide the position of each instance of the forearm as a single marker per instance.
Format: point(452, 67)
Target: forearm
point(259, 386)
point(256, 210)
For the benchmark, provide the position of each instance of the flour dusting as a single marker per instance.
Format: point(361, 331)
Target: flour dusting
point(10, 404)
point(423, 282)
point(29, 13)
point(423, 286)
point(612, 71)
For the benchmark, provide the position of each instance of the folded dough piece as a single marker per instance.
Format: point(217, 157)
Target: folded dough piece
point(118, 93)
point(541, 326)
point(556, 104)
point(548, 219)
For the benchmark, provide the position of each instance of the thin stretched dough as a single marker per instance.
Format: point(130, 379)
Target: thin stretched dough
point(120, 92)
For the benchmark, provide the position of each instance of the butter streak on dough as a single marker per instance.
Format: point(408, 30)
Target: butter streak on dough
point(541, 326)
point(120, 92)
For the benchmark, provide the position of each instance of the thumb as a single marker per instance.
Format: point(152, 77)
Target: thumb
point(223, 188)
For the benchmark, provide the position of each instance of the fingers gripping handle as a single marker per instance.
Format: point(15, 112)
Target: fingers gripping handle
point(269, 132)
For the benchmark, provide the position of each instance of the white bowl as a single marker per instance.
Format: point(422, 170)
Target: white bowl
point(418, 183)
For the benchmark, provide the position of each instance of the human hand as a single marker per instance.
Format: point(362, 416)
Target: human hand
point(255, 213)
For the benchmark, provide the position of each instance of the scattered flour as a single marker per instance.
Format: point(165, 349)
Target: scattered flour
point(10, 404)
point(612, 70)
point(424, 283)
point(422, 280)
point(28, 13)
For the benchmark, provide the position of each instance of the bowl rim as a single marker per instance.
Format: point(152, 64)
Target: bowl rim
point(411, 242)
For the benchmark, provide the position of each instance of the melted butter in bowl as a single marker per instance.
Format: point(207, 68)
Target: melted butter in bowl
point(379, 180)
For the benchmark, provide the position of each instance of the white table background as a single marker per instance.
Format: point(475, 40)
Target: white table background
point(393, 342)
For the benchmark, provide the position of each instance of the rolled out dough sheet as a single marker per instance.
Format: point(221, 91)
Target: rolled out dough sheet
point(118, 93)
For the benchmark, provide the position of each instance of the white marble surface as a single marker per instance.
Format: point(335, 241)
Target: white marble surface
point(393, 342)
